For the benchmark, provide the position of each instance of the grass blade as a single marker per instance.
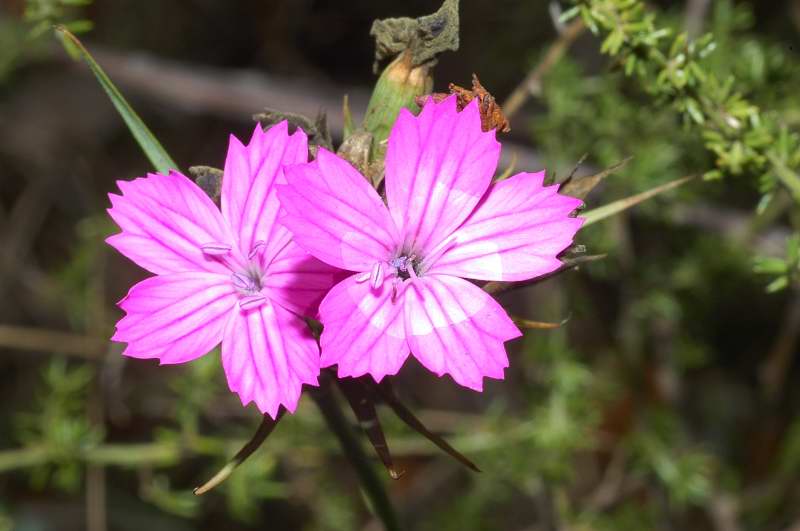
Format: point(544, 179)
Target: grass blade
point(147, 141)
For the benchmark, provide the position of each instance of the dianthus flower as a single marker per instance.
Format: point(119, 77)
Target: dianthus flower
point(234, 276)
point(445, 222)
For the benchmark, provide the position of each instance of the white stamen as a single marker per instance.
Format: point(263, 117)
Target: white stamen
point(376, 277)
point(215, 248)
point(362, 277)
point(252, 301)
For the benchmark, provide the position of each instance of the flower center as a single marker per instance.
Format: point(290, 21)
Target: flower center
point(247, 281)
point(405, 266)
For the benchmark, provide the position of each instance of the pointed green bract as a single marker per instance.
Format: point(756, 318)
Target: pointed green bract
point(615, 207)
point(158, 157)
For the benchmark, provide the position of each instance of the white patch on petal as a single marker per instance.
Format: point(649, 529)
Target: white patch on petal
point(436, 307)
point(484, 255)
point(376, 310)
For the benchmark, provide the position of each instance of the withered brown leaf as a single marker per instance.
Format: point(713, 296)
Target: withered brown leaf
point(492, 116)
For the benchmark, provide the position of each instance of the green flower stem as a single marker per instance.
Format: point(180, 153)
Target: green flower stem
point(338, 424)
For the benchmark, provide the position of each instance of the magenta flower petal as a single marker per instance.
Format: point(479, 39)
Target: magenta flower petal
point(453, 327)
point(248, 197)
point(268, 354)
point(175, 317)
point(515, 233)
point(364, 331)
point(233, 276)
point(165, 221)
point(298, 281)
point(335, 214)
point(443, 222)
point(438, 166)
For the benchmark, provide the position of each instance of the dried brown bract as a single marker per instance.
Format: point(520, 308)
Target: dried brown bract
point(492, 116)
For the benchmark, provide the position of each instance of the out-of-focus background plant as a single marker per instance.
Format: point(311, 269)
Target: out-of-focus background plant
point(667, 401)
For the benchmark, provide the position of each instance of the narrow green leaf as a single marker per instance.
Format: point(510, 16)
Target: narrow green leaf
point(147, 141)
point(361, 397)
point(264, 430)
point(536, 325)
point(615, 207)
point(386, 392)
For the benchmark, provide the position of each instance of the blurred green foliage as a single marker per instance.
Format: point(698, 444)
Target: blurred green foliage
point(21, 41)
point(42, 15)
point(58, 424)
point(785, 271)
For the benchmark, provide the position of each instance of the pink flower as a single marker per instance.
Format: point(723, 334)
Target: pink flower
point(445, 221)
point(234, 276)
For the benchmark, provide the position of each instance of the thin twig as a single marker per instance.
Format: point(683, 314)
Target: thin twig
point(533, 81)
point(696, 11)
point(538, 325)
point(774, 370)
point(24, 223)
point(724, 512)
point(43, 340)
point(607, 491)
point(96, 498)
point(96, 513)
